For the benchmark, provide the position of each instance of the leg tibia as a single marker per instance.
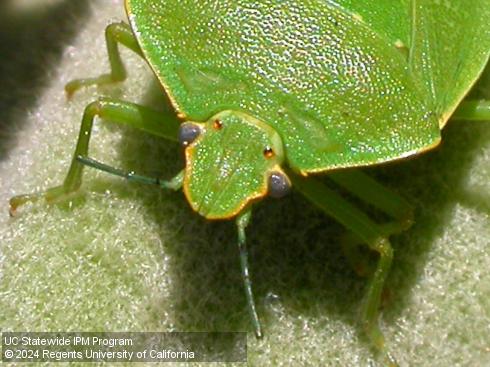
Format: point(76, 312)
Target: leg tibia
point(372, 298)
point(116, 33)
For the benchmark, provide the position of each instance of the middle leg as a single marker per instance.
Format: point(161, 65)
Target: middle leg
point(116, 33)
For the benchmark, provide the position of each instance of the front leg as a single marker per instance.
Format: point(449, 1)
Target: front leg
point(161, 124)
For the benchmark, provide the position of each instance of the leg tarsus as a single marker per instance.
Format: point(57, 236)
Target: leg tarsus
point(49, 195)
point(242, 222)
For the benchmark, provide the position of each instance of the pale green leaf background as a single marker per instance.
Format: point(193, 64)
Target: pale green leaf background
point(132, 258)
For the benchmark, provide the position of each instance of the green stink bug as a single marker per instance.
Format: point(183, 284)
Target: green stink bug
point(290, 112)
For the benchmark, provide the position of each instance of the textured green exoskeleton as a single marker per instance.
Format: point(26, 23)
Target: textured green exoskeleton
point(269, 92)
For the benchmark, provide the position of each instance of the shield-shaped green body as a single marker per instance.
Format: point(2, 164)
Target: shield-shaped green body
point(338, 93)
point(344, 83)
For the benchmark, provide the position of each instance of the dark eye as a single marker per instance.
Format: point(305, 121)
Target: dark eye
point(279, 185)
point(268, 152)
point(188, 133)
point(217, 124)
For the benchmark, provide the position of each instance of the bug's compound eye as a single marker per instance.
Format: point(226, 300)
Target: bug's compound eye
point(217, 124)
point(279, 185)
point(188, 133)
point(268, 152)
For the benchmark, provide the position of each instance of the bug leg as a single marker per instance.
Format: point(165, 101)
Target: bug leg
point(380, 197)
point(365, 231)
point(473, 110)
point(372, 192)
point(354, 248)
point(372, 300)
point(161, 124)
point(114, 33)
point(354, 251)
point(242, 222)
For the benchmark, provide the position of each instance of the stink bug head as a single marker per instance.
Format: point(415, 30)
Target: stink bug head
point(230, 163)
